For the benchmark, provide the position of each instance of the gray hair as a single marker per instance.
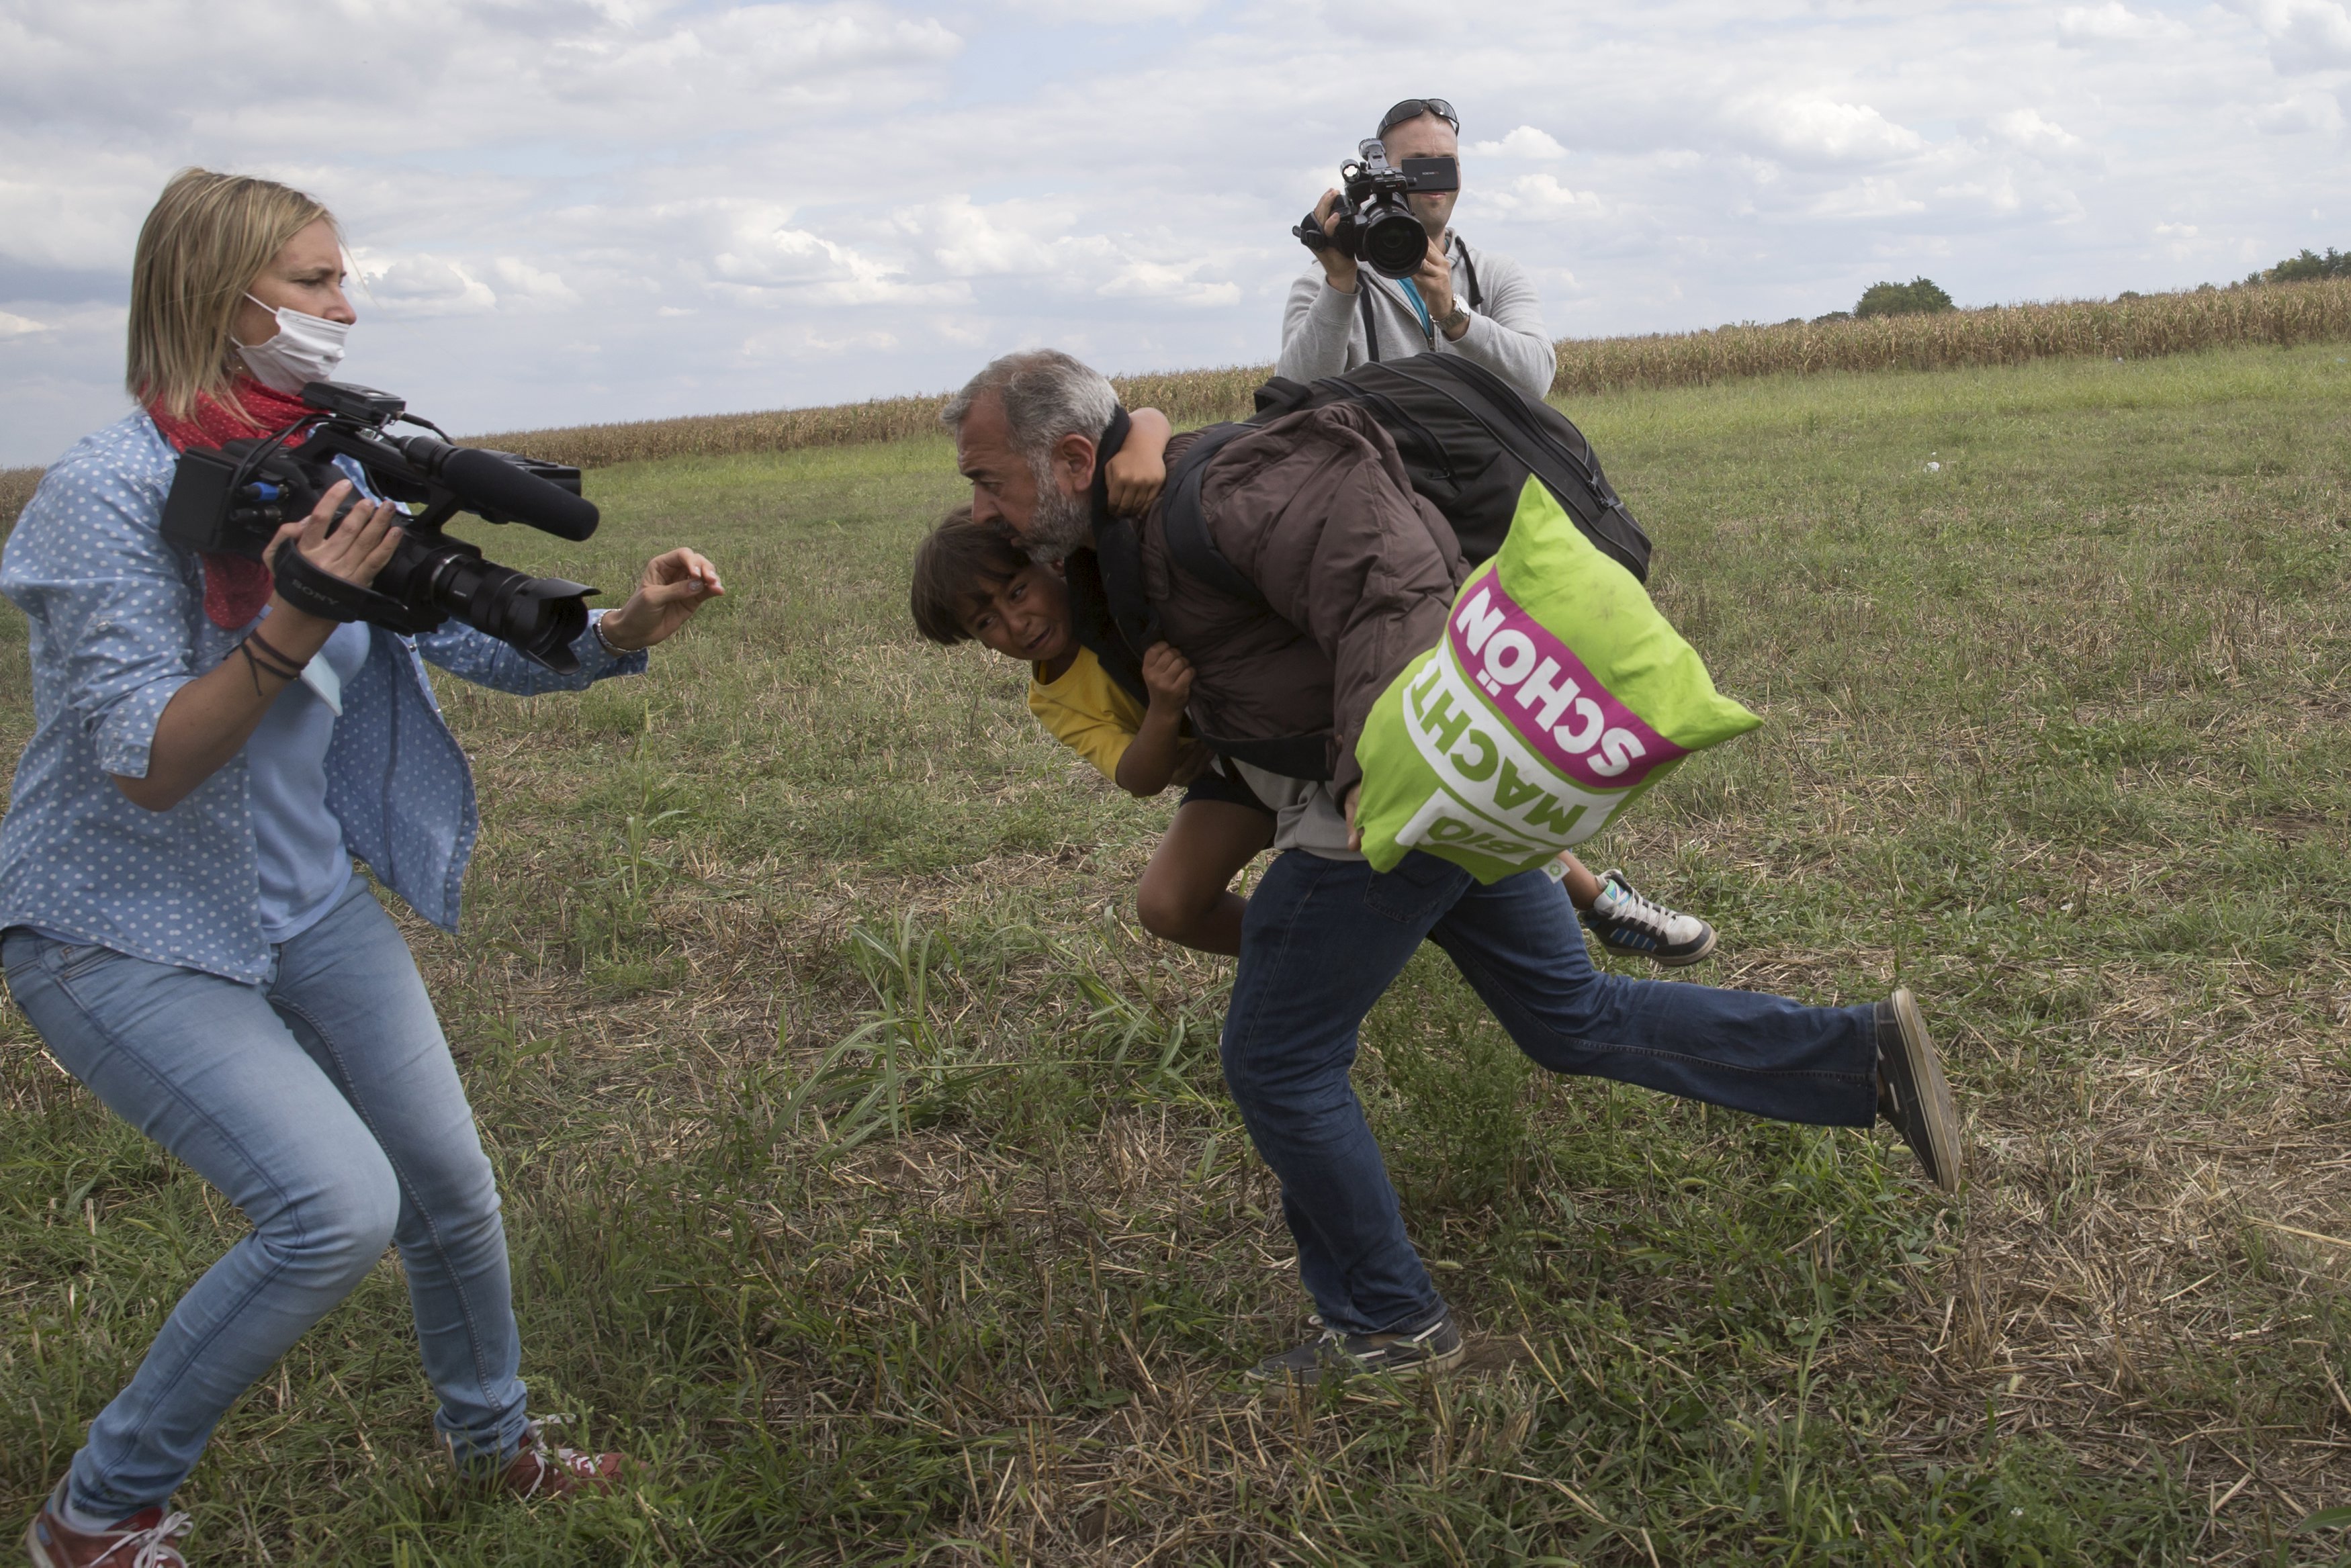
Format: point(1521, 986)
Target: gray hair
point(1046, 395)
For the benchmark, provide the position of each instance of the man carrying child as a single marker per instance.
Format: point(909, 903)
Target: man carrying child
point(1356, 574)
point(1124, 715)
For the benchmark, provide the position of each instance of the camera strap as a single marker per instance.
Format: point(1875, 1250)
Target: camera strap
point(313, 591)
point(1363, 291)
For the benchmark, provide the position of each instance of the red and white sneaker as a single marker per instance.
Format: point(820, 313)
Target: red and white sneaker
point(549, 1469)
point(148, 1538)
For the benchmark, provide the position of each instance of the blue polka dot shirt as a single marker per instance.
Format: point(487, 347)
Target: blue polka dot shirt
point(117, 625)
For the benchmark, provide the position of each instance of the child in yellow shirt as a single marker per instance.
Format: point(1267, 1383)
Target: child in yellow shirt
point(971, 581)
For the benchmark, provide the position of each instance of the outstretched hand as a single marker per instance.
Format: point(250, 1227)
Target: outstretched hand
point(675, 583)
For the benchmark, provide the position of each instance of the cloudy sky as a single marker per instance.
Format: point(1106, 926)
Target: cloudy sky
point(566, 211)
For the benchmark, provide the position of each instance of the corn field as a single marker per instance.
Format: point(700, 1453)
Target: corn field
point(2132, 328)
point(2282, 315)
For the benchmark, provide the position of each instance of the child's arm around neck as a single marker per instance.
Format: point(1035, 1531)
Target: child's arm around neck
point(1133, 478)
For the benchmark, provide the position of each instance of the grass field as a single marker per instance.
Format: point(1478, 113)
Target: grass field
point(2136, 327)
point(868, 1174)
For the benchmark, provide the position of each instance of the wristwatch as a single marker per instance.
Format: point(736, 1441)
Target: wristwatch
point(1457, 316)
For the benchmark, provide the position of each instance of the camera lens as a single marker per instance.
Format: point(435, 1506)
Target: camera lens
point(540, 616)
point(1392, 242)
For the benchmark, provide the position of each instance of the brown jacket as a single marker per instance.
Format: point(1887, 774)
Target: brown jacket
point(1356, 568)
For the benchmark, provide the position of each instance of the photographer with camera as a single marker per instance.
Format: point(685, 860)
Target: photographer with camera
point(1450, 300)
point(220, 731)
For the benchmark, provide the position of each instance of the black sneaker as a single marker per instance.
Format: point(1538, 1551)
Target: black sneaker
point(1332, 1354)
point(1633, 925)
point(1911, 1093)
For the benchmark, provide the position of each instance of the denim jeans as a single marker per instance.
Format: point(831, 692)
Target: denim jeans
point(323, 1102)
point(1323, 938)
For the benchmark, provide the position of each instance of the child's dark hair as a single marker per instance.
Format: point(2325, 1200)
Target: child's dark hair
point(957, 566)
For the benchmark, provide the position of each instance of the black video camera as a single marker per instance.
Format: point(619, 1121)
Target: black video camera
point(232, 500)
point(1377, 225)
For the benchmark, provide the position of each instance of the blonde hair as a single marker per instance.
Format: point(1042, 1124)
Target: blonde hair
point(207, 239)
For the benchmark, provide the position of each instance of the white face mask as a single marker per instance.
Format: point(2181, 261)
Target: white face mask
point(306, 349)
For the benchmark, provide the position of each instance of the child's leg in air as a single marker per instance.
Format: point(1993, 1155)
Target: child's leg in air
point(1184, 893)
point(1629, 925)
point(1581, 886)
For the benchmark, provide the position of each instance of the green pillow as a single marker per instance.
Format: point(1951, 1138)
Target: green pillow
point(1557, 696)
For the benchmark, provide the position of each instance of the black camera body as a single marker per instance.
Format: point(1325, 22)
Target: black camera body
point(1376, 225)
point(233, 499)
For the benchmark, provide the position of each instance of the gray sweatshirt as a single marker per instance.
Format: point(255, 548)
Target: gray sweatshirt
point(1323, 329)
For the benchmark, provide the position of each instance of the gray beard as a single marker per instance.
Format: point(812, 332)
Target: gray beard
point(1059, 524)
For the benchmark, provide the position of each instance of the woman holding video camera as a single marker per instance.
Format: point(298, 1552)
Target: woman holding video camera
point(182, 922)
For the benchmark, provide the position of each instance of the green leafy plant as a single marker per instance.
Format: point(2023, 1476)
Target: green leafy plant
point(2306, 267)
point(902, 1067)
point(1919, 296)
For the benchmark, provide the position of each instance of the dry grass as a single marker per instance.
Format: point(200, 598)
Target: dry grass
point(15, 489)
point(2279, 315)
point(2282, 315)
point(2057, 734)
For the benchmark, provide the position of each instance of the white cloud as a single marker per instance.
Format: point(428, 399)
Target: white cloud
point(805, 343)
point(2305, 35)
point(1866, 199)
point(1526, 142)
point(525, 282)
point(2113, 23)
point(1997, 194)
point(16, 325)
point(2182, 241)
point(2028, 128)
point(1813, 129)
point(1007, 239)
point(2302, 112)
point(1089, 13)
point(1173, 282)
point(421, 284)
point(576, 210)
point(1540, 198)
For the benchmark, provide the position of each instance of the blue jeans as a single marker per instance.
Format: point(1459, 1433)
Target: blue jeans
point(323, 1102)
point(1323, 938)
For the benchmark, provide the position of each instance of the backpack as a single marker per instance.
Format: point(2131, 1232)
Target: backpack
point(1470, 441)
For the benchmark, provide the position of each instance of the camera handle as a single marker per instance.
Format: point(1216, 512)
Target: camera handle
point(313, 591)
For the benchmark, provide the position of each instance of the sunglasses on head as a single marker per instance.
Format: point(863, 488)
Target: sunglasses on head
point(1414, 108)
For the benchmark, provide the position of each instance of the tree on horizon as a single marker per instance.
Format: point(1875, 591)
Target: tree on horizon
point(1919, 296)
